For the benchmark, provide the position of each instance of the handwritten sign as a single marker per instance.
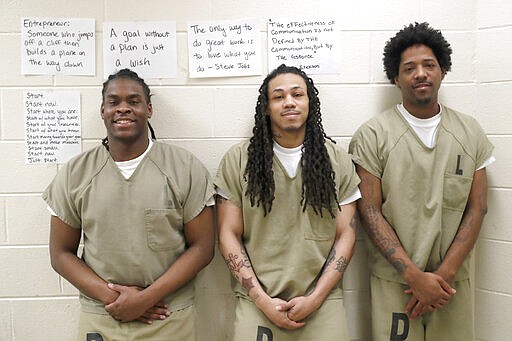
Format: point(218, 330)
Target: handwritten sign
point(52, 126)
point(58, 46)
point(148, 48)
point(310, 45)
point(226, 48)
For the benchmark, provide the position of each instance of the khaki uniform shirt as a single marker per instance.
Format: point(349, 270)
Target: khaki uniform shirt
point(424, 190)
point(132, 228)
point(288, 247)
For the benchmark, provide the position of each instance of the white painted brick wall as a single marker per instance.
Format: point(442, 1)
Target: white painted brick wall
point(207, 116)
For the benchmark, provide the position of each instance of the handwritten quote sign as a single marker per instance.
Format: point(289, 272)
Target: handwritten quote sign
point(57, 46)
point(148, 48)
point(226, 48)
point(52, 126)
point(310, 45)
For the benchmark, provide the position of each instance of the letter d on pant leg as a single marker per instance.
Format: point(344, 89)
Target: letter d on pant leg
point(264, 331)
point(397, 317)
point(93, 337)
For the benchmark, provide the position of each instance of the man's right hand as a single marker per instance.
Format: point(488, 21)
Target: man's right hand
point(429, 291)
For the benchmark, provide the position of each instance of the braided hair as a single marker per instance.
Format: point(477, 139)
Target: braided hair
point(318, 186)
point(128, 74)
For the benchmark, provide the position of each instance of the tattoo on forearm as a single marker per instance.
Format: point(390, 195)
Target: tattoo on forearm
point(247, 284)
point(330, 259)
point(385, 242)
point(341, 264)
point(465, 226)
point(236, 262)
point(399, 265)
point(245, 258)
point(353, 222)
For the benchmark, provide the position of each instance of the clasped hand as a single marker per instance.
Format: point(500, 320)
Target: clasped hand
point(129, 306)
point(429, 292)
point(289, 314)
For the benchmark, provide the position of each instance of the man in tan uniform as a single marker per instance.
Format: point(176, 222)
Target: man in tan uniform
point(424, 196)
point(142, 207)
point(286, 212)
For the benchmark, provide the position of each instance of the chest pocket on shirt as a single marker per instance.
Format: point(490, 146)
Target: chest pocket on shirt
point(164, 228)
point(456, 191)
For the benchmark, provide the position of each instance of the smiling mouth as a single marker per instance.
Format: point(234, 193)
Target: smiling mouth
point(123, 121)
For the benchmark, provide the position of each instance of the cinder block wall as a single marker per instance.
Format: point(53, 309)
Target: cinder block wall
point(207, 116)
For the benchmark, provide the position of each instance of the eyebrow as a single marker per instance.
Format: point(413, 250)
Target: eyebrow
point(423, 60)
point(292, 88)
point(129, 96)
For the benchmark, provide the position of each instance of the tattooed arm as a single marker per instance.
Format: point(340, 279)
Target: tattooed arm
point(428, 288)
point(231, 228)
point(337, 261)
point(467, 234)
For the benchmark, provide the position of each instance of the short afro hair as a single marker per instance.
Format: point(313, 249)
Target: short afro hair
point(412, 35)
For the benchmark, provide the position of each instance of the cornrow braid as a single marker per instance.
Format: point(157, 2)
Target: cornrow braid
point(318, 186)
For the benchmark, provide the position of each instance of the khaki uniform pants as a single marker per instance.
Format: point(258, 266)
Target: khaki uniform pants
point(179, 326)
point(326, 324)
point(453, 322)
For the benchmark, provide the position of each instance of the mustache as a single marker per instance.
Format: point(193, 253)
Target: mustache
point(422, 84)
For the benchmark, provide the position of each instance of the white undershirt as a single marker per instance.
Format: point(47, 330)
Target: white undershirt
point(426, 129)
point(128, 167)
point(290, 158)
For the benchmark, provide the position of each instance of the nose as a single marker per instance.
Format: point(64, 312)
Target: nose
point(123, 107)
point(289, 101)
point(421, 72)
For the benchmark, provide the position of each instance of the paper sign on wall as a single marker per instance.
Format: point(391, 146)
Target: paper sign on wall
point(226, 48)
point(58, 46)
point(146, 47)
point(52, 126)
point(311, 45)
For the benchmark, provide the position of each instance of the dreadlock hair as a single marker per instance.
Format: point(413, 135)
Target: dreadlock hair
point(128, 74)
point(318, 186)
point(412, 35)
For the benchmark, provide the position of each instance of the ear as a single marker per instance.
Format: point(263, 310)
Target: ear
point(102, 111)
point(397, 82)
point(150, 110)
point(443, 73)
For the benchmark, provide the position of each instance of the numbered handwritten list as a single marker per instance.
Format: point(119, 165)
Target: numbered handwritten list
point(146, 47)
point(226, 48)
point(311, 45)
point(52, 126)
point(57, 46)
